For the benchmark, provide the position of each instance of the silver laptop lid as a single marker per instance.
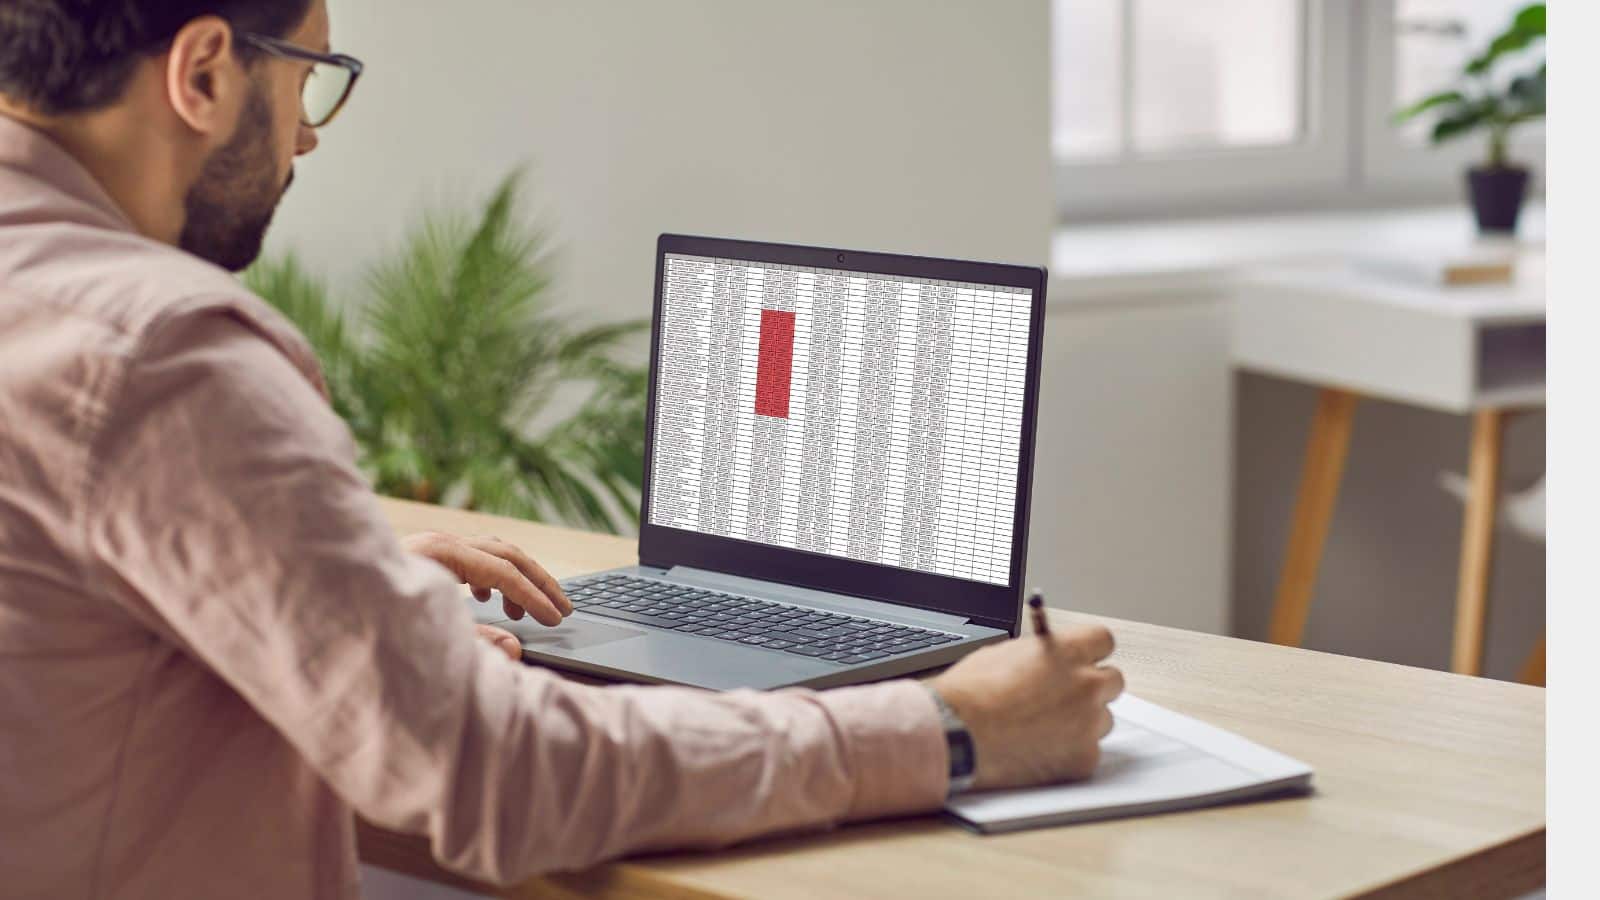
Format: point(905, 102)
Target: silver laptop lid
point(860, 423)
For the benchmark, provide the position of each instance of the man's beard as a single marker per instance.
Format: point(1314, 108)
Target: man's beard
point(231, 204)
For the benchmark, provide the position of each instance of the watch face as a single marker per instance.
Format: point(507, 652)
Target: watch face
point(962, 758)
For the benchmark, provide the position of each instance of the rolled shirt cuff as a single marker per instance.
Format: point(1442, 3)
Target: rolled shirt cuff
point(896, 745)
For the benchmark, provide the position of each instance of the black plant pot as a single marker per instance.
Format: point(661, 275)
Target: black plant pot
point(1497, 197)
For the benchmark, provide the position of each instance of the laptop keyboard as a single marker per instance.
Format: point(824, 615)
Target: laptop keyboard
point(831, 637)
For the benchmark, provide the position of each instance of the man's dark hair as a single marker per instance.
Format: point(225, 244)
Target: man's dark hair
point(67, 56)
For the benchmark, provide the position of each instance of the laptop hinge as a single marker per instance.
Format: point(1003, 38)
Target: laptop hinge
point(824, 599)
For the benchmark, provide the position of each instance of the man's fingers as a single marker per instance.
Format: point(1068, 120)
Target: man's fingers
point(1093, 642)
point(1106, 723)
point(483, 570)
point(509, 580)
point(512, 610)
point(528, 566)
point(1111, 683)
point(487, 564)
point(502, 639)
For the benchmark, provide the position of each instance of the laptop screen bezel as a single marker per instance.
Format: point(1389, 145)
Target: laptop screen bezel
point(996, 606)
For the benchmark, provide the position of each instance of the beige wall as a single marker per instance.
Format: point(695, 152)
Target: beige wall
point(896, 124)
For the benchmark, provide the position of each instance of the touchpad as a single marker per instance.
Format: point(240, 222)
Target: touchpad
point(573, 634)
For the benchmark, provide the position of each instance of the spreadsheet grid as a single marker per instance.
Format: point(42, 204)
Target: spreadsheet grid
point(871, 417)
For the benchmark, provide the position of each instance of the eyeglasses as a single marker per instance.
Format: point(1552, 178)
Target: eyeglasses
point(333, 76)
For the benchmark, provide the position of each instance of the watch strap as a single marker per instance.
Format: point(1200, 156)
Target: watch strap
point(963, 753)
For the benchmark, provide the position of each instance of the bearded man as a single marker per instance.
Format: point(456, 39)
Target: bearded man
point(213, 649)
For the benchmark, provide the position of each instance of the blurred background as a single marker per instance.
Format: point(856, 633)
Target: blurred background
point(1158, 155)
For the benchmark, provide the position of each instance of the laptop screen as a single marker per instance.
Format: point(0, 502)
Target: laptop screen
point(870, 417)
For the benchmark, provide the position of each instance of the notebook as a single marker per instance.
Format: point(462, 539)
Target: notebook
point(1154, 760)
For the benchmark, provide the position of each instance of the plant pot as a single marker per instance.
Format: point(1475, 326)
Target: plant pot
point(1497, 197)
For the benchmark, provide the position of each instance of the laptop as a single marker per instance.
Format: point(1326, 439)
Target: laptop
point(838, 457)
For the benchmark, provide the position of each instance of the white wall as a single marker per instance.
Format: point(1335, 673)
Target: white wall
point(1131, 491)
point(894, 124)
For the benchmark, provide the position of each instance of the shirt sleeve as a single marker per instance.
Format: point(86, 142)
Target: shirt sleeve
point(226, 505)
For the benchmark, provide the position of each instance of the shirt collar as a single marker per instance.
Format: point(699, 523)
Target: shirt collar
point(31, 153)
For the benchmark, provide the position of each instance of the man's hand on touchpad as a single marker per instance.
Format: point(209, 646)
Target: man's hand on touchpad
point(488, 564)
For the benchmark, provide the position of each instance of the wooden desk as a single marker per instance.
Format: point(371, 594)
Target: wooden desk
point(1428, 785)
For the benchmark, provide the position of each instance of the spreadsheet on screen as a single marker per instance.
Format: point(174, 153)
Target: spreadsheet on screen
point(867, 416)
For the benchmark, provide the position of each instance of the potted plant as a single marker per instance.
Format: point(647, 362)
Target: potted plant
point(1483, 101)
point(463, 385)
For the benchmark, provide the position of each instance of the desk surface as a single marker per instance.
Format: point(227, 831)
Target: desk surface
point(1427, 784)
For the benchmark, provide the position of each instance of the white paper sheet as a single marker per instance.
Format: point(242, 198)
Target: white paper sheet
point(1154, 760)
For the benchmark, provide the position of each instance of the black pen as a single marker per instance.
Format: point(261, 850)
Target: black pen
point(1041, 625)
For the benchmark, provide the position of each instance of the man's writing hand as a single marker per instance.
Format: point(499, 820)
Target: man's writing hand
point(487, 564)
point(1036, 706)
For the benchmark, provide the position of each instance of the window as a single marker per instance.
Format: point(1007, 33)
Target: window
point(1135, 79)
point(1167, 107)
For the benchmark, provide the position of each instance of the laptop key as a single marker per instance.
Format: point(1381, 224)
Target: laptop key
point(629, 616)
point(864, 657)
point(777, 644)
point(806, 651)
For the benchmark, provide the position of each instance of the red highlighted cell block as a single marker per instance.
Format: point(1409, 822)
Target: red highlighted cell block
point(775, 355)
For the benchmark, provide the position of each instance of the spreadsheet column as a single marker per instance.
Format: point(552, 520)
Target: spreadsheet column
point(1020, 316)
point(681, 396)
point(723, 351)
point(960, 443)
point(850, 359)
point(742, 438)
point(773, 366)
point(901, 424)
point(822, 324)
point(795, 449)
point(929, 402)
point(874, 417)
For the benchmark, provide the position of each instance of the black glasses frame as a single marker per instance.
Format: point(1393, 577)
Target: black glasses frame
point(285, 50)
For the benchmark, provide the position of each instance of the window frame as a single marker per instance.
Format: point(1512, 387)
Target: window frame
point(1350, 157)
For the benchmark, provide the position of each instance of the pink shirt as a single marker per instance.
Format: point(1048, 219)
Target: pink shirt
point(213, 648)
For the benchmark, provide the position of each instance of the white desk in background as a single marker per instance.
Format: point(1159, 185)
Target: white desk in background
point(1475, 351)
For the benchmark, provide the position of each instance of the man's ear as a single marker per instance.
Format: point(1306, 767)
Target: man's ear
point(204, 78)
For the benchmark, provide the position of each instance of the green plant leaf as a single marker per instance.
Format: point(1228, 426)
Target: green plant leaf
point(1458, 125)
point(1530, 19)
point(1525, 28)
point(1432, 101)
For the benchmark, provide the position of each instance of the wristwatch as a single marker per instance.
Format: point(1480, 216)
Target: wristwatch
point(963, 754)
